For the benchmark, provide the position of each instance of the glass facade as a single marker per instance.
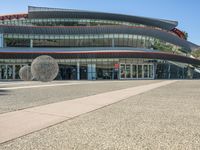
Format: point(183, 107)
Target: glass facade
point(67, 22)
point(84, 69)
point(90, 40)
point(106, 69)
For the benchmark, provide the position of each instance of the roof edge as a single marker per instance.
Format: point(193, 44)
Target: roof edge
point(42, 9)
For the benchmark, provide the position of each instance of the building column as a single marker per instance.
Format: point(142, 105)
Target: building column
point(78, 70)
point(1, 41)
point(142, 71)
point(113, 42)
point(13, 72)
point(169, 71)
point(31, 43)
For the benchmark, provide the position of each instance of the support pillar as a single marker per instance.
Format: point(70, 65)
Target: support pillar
point(78, 71)
point(13, 72)
point(1, 41)
point(31, 43)
point(113, 42)
point(169, 71)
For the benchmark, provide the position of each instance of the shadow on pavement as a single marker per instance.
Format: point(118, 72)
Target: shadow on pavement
point(3, 92)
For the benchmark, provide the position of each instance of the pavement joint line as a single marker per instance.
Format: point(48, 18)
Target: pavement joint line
point(37, 86)
point(16, 124)
point(22, 83)
point(51, 85)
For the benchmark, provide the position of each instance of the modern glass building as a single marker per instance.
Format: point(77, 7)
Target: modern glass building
point(94, 45)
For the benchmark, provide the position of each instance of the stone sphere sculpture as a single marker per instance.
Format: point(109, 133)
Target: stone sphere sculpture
point(44, 68)
point(25, 73)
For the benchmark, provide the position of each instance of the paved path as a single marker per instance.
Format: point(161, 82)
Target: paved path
point(19, 123)
point(22, 95)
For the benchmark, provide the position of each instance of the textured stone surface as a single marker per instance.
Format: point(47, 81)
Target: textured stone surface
point(44, 68)
point(16, 124)
point(25, 73)
point(13, 100)
point(166, 118)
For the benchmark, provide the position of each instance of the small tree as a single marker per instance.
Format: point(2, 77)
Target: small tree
point(185, 35)
point(196, 53)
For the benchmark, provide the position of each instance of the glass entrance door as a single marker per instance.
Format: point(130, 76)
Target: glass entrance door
point(128, 71)
point(83, 72)
point(136, 71)
point(140, 71)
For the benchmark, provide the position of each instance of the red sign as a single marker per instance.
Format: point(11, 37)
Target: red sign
point(116, 66)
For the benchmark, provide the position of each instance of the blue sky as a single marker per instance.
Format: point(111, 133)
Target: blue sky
point(186, 12)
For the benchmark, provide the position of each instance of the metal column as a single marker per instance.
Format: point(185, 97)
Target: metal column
point(78, 71)
point(1, 40)
point(31, 43)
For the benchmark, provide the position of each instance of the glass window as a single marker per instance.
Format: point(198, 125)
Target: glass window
point(128, 71)
point(122, 71)
point(146, 69)
point(140, 71)
point(151, 70)
point(134, 71)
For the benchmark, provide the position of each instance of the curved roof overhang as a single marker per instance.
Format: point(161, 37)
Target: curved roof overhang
point(43, 12)
point(98, 54)
point(156, 33)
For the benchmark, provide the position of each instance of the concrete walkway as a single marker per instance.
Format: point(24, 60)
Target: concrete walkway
point(19, 123)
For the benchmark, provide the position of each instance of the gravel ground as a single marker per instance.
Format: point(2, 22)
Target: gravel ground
point(164, 118)
point(12, 100)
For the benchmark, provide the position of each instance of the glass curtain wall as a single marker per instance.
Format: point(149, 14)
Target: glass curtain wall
point(68, 22)
point(91, 40)
point(103, 69)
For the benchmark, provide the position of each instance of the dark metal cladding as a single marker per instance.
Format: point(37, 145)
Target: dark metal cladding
point(160, 34)
point(42, 12)
point(99, 54)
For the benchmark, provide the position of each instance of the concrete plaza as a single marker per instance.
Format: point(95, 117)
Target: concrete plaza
point(149, 114)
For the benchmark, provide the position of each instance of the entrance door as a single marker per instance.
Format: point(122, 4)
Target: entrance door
point(91, 71)
point(67, 72)
point(128, 71)
point(83, 72)
point(122, 71)
point(140, 71)
point(134, 71)
point(3, 71)
point(146, 71)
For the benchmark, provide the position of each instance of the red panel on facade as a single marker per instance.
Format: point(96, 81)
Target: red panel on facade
point(179, 33)
point(13, 16)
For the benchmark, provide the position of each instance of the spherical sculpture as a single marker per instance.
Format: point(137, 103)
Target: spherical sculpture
point(44, 68)
point(25, 73)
